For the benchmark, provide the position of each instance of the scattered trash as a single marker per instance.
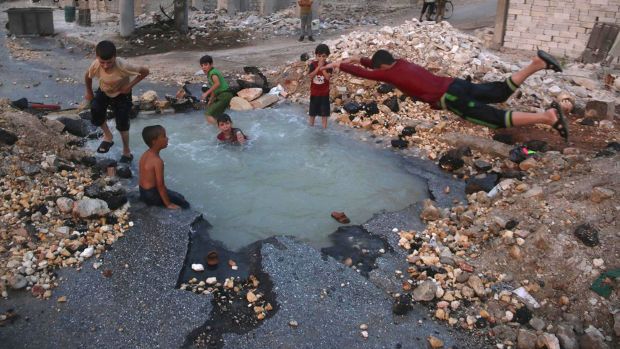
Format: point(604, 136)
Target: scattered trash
point(606, 282)
point(587, 234)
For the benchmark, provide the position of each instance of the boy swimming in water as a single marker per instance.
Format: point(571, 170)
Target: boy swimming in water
point(228, 133)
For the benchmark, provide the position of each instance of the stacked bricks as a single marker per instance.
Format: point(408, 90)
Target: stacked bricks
point(560, 27)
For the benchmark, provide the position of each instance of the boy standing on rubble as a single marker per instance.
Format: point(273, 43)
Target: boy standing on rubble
point(114, 90)
point(463, 98)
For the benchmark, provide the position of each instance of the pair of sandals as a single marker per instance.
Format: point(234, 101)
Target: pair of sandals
point(105, 146)
point(561, 125)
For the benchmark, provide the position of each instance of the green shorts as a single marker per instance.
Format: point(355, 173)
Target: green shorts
point(219, 105)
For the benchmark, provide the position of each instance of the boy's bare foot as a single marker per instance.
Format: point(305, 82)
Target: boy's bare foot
point(301, 38)
point(310, 38)
point(173, 207)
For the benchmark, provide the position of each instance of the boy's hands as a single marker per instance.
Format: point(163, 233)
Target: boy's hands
point(333, 65)
point(172, 206)
point(240, 138)
point(89, 96)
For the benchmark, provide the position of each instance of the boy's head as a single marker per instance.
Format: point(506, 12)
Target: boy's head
point(155, 136)
point(322, 50)
point(106, 53)
point(224, 122)
point(381, 59)
point(206, 63)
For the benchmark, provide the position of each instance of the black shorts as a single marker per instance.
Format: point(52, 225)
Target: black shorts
point(319, 106)
point(120, 105)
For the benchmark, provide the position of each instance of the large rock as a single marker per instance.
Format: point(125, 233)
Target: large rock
point(484, 182)
point(592, 339)
point(18, 282)
point(240, 104)
point(567, 337)
point(115, 196)
point(601, 194)
point(430, 212)
point(77, 127)
point(7, 137)
point(588, 234)
point(480, 144)
point(548, 341)
point(600, 110)
point(65, 205)
point(250, 94)
point(425, 291)
point(265, 101)
point(148, 100)
point(91, 208)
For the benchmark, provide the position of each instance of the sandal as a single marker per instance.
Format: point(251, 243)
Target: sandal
point(126, 159)
point(212, 259)
point(341, 217)
point(561, 125)
point(552, 63)
point(104, 147)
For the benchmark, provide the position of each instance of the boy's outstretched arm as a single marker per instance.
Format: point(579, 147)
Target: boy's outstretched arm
point(161, 187)
point(142, 73)
point(88, 82)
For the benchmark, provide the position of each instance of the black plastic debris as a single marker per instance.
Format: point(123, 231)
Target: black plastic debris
point(587, 234)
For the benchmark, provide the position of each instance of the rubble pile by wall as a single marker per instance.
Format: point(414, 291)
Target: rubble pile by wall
point(561, 27)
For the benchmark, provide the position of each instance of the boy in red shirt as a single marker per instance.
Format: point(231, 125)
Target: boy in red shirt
point(468, 100)
point(319, 86)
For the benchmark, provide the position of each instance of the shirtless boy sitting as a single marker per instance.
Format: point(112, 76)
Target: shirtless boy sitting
point(153, 191)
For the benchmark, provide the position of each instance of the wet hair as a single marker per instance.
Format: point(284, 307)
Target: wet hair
point(105, 50)
point(206, 59)
point(382, 57)
point(224, 118)
point(322, 49)
point(150, 133)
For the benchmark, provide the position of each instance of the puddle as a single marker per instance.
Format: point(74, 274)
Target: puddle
point(286, 181)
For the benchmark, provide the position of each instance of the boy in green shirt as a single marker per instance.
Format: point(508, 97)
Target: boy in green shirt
point(219, 95)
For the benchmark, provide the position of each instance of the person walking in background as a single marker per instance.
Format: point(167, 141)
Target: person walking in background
point(305, 14)
point(441, 9)
point(430, 6)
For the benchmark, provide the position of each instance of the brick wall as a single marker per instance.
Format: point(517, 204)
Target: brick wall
point(560, 27)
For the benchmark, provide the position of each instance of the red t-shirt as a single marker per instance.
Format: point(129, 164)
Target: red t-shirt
point(320, 83)
point(233, 138)
point(408, 77)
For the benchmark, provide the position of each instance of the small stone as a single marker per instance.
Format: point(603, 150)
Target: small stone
point(536, 191)
point(599, 194)
point(435, 342)
point(293, 323)
point(528, 164)
point(515, 252)
point(526, 339)
point(87, 253)
point(62, 299)
point(617, 324)
point(549, 341)
point(251, 297)
point(211, 280)
point(18, 282)
point(598, 262)
point(476, 284)
point(363, 327)
point(198, 267)
point(537, 323)
point(425, 291)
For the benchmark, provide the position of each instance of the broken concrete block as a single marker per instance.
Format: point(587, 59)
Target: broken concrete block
point(600, 110)
point(265, 101)
point(240, 104)
point(250, 94)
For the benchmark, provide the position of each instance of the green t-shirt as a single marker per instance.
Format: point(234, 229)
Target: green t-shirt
point(223, 84)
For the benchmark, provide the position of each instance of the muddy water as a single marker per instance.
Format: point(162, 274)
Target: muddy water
point(286, 180)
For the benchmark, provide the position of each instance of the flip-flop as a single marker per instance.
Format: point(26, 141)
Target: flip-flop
point(552, 63)
point(561, 125)
point(126, 158)
point(212, 259)
point(341, 217)
point(104, 147)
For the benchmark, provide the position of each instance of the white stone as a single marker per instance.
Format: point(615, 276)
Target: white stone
point(198, 267)
point(211, 280)
point(91, 207)
point(88, 252)
point(65, 205)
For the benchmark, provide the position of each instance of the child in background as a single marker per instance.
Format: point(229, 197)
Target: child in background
point(319, 86)
point(153, 191)
point(218, 95)
point(228, 133)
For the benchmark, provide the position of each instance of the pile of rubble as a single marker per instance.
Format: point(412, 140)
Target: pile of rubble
point(57, 210)
point(281, 23)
